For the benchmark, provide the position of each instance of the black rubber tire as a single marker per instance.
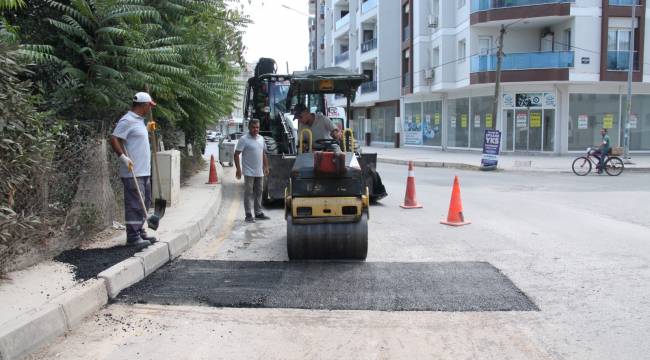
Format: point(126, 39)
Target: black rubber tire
point(340, 241)
point(614, 166)
point(581, 166)
point(271, 145)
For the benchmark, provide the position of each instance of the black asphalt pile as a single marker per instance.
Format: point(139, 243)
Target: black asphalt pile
point(88, 263)
point(449, 286)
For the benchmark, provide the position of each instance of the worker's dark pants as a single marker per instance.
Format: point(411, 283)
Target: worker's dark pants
point(134, 215)
point(253, 192)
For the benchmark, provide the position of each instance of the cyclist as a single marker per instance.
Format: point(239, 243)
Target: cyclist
point(603, 150)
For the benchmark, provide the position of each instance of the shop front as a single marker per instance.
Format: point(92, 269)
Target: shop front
point(422, 123)
point(529, 121)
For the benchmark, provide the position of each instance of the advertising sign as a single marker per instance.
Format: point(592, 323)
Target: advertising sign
point(522, 119)
point(491, 142)
point(463, 120)
point(413, 130)
point(608, 121)
point(633, 121)
point(436, 119)
point(488, 121)
point(477, 121)
point(529, 100)
point(429, 131)
point(452, 120)
point(583, 122)
point(508, 101)
point(535, 119)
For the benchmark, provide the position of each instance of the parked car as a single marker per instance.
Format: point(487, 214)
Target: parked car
point(213, 136)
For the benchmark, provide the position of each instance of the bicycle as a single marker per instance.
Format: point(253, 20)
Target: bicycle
point(582, 165)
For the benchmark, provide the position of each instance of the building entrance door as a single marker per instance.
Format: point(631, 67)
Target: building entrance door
point(529, 129)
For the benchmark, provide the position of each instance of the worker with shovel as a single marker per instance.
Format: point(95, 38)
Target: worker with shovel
point(130, 141)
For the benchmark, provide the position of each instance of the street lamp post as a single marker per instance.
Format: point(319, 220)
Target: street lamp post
point(630, 72)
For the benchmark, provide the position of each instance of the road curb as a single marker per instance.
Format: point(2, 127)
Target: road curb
point(35, 328)
point(463, 166)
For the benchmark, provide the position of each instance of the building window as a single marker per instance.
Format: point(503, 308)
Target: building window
point(588, 113)
point(618, 49)
point(435, 60)
point(461, 50)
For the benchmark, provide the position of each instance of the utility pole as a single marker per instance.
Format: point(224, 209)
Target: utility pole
point(497, 81)
point(630, 72)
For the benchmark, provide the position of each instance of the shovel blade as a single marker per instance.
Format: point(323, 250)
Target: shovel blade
point(159, 207)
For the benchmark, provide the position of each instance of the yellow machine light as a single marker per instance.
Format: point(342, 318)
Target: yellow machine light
point(326, 85)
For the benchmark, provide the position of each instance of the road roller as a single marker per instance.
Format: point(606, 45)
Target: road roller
point(327, 205)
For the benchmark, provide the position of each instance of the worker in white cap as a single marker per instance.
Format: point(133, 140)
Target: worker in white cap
point(130, 141)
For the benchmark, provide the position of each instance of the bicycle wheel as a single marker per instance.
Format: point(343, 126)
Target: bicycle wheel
point(614, 166)
point(581, 166)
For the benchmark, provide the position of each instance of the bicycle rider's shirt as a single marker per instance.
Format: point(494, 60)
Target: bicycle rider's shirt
point(606, 145)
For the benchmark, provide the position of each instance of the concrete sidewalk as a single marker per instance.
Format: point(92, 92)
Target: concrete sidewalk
point(425, 157)
point(45, 301)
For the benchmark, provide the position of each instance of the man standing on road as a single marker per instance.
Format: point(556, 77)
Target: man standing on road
point(130, 141)
point(255, 163)
point(321, 126)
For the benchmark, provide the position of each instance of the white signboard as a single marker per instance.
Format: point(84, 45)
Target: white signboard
point(633, 121)
point(522, 119)
point(583, 122)
point(477, 121)
point(453, 121)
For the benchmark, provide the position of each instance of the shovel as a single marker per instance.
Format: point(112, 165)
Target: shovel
point(160, 204)
point(153, 220)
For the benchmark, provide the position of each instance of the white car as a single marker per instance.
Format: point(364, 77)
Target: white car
point(213, 136)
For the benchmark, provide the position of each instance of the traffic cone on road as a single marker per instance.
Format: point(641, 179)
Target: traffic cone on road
point(455, 216)
point(409, 199)
point(213, 172)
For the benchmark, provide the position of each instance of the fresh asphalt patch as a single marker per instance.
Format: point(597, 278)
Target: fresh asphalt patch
point(382, 286)
point(88, 263)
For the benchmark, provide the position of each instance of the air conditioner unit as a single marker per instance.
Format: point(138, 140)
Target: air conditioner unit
point(433, 21)
point(428, 74)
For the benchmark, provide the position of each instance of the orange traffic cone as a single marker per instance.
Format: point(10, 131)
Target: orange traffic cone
point(455, 216)
point(409, 198)
point(213, 172)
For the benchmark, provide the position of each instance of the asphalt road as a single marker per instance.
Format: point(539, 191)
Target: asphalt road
point(577, 248)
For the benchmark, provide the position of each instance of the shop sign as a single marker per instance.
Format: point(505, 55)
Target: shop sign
point(633, 120)
point(463, 120)
point(549, 100)
point(529, 99)
point(491, 142)
point(508, 101)
point(583, 122)
point(522, 119)
point(428, 130)
point(488, 120)
point(477, 121)
point(608, 121)
point(452, 120)
point(535, 119)
point(436, 119)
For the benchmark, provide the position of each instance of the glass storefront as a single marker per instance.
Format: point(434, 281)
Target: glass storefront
point(458, 123)
point(481, 119)
point(588, 113)
point(432, 123)
point(412, 125)
point(639, 122)
point(529, 120)
point(382, 123)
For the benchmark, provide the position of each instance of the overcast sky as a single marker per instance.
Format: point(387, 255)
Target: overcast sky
point(278, 33)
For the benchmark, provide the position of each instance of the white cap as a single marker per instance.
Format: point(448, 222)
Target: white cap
point(143, 97)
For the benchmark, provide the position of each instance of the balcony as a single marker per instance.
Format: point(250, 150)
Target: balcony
point(483, 5)
point(368, 5)
point(497, 10)
point(620, 60)
point(523, 61)
point(369, 87)
point(522, 67)
point(341, 57)
point(406, 33)
point(623, 2)
point(340, 23)
point(368, 45)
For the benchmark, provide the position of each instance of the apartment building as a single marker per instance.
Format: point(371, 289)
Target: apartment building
point(563, 74)
point(363, 36)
